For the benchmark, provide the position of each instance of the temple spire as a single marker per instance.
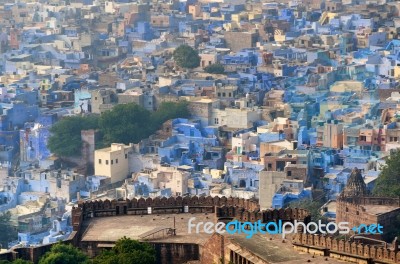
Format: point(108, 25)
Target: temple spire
point(355, 185)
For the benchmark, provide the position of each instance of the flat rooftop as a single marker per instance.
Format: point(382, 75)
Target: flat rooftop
point(274, 251)
point(113, 228)
point(107, 230)
point(380, 209)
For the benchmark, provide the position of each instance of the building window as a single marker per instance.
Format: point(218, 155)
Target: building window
point(99, 161)
point(112, 162)
point(126, 156)
point(116, 161)
point(106, 162)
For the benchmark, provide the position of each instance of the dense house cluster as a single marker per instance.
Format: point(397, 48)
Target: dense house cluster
point(308, 91)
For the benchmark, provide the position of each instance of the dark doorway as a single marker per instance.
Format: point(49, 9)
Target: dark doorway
point(242, 184)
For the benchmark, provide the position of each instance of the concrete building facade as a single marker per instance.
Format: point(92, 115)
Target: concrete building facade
point(112, 162)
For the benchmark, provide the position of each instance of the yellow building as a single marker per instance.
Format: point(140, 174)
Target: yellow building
point(45, 85)
point(195, 11)
point(396, 72)
point(275, 147)
point(332, 105)
point(112, 162)
point(279, 35)
point(347, 86)
point(326, 17)
point(253, 16)
point(239, 17)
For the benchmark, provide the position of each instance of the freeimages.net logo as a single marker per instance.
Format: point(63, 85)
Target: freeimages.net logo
point(284, 228)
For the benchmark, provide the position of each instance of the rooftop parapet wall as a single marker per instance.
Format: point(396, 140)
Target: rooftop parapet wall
point(229, 208)
point(243, 215)
point(160, 204)
point(238, 208)
point(370, 200)
point(346, 250)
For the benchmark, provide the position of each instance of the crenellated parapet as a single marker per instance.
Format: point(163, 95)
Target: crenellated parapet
point(223, 207)
point(195, 204)
point(346, 250)
point(170, 202)
point(244, 210)
point(370, 200)
point(265, 216)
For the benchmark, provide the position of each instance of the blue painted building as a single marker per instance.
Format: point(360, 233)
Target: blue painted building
point(246, 178)
point(189, 144)
point(290, 191)
point(33, 141)
point(16, 114)
point(144, 31)
point(34, 138)
point(287, 15)
point(82, 100)
point(244, 57)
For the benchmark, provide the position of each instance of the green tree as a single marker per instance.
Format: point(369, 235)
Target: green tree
point(125, 123)
point(21, 261)
point(127, 251)
point(186, 57)
point(167, 111)
point(313, 206)
point(64, 254)
point(216, 68)
point(66, 134)
point(7, 231)
point(388, 182)
point(17, 261)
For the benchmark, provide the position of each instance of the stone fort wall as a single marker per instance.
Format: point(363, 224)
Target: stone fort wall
point(238, 208)
point(371, 200)
point(351, 251)
point(222, 207)
point(353, 210)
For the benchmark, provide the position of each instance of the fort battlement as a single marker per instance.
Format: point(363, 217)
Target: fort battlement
point(222, 207)
point(346, 250)
point(371, 200)
point(238, 208)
